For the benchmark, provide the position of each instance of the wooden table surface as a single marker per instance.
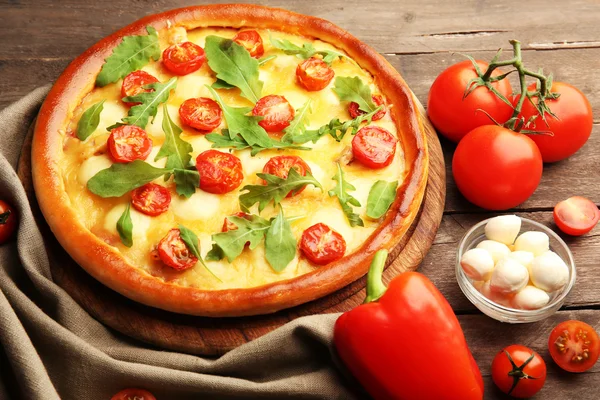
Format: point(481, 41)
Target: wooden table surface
point(38, 38)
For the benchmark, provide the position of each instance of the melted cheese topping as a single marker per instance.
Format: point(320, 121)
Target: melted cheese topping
point(204, 212)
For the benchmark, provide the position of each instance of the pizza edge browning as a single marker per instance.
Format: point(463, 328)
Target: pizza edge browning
point(109, 266)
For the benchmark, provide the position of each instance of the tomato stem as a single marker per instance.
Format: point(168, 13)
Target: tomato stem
point(375, 286)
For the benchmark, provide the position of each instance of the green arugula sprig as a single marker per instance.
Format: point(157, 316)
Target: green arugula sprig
point(280, 244)
point(345, 199)
point(131, 54)
point(193, 244)
point(221, 84)
point(297, 126)
point(381, 197)
point(275, 189)
point(306, 51)
point(89, 121)
point(355, 90)
point(234, 65)
point(125, 227)
point(224, 140)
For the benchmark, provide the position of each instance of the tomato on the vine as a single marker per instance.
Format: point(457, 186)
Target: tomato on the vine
point(562, 136)
point(518, 371)
point(574, 346)
point(496, 168)
point(8, 221)
point(455, 115)
point(576, 216)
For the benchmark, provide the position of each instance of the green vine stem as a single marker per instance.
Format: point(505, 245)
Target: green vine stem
point(542, 91)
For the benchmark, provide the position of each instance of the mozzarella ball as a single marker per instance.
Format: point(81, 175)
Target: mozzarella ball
point(499, 298)
point(503, 229)
point(497, 250)
point(509, 276)
point(549, 272)
point(530, 298)
point(477, 264)
point(535, 242)
point(523, 257)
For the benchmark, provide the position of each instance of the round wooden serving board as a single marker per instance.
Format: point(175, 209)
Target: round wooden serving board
point(215, 336)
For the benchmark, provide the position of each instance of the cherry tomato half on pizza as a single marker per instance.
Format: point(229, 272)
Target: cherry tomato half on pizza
point(173, 251)
point(321, 245)
point(314, 74)
point(134, 84)
point(374, 147)
point(276, 111)
point(151, 199)
point(354, 110)
point(183, 58)
point(281, 165)
point(251, 41)
point(201, 113)
point(230, 226)
point(219, 172)
point(129, 142)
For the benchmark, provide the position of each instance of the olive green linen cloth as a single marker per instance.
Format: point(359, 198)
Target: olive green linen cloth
point(51, 348)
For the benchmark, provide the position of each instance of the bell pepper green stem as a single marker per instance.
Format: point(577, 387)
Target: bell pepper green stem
point(375, 286)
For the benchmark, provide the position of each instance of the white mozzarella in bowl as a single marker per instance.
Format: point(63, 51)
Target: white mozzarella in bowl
point(533, 241)
point(503, 229)
point(549, 272)
point(530, 298)
point(497, 250)
point(523, 257)
point(477, 264)
point(508, 276)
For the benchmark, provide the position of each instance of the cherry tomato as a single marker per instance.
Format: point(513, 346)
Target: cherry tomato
point(496, 168)
point(377, 99)
point(8, 222)
point(129, 142)
point(183, 58)
point(374, 147)
point(280, 166)
point(314, 74)
point(322, 245)
point(219, 172)
point(570, 130)
point(173, 251)
point(277, 113)
point(251, 41)
point(519, 371)
point(230, 226)
point(574, 346)
point(576, 216)
point(134, 84)
point(201, 113)
point(133, 394)
point(454, 115)
point(151, 199)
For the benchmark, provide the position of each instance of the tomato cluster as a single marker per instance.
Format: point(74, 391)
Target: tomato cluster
point(504, 140)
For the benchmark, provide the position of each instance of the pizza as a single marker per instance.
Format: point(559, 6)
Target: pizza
point(228, 160)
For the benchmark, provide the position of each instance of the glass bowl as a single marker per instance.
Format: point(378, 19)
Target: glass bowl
point(506, 314)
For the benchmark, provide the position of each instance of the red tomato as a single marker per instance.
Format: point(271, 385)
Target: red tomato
point(322, 245)
point(183, 58)
point(314, 74)
point(8, 222)
point(574, 346)
point(454, 115)
point(374, 147)
point(173, 251)
point(134, 84)
point(280, 166)
point(576, 216)
point(230, 226)
point(570, 130)
point(252, 41)
point(129, 142)
point(133, 394)
point(151, 199)
point(519, 371)
point(377, 99)
point(496, 168)
point(201, 113)
point(277, 113)
point(219, 172)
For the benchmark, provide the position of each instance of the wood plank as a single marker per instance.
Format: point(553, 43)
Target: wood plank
point(411, 26)
point(439, 264)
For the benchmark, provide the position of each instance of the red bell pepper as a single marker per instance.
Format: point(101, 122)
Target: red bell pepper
point(405, 342)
